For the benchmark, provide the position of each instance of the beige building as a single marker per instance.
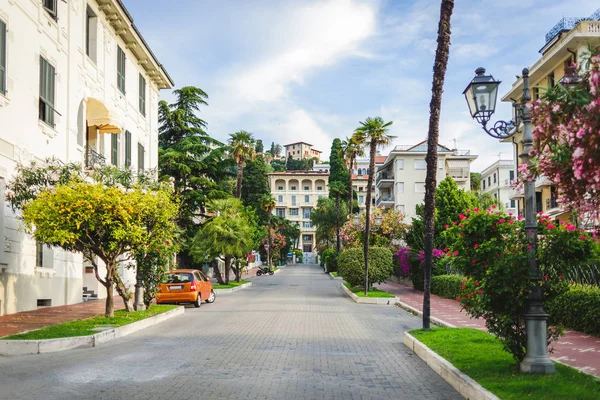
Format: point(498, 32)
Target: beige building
point(296, 194)
point(401, 179)
point(78, 82)
point(566, 43)
point(301, 150)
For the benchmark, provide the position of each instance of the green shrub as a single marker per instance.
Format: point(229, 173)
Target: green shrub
point(417, 274)
point(330, 260)
point(447, 286)
point(351, 265)
point(578, 308)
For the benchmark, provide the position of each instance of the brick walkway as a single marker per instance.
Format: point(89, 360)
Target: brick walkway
point(575, 348)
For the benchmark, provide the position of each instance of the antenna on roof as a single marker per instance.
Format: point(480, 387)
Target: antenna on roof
point(455, 141)
point(500, 155)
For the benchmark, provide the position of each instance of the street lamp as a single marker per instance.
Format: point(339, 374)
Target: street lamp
point(356, 222)
point(481, 96)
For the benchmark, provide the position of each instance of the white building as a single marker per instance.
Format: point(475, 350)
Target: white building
point(496, 180)
point(401, 179)
point(78, 82)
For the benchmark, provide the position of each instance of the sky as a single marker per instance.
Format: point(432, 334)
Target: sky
point(311, 70)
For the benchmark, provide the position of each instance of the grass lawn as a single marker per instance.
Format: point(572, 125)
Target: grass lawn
point(231, 285)
point(334, 274)
point(480, 356)
point(84, 327)
point(373, 292)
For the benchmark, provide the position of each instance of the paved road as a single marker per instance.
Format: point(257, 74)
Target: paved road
point(294, 335)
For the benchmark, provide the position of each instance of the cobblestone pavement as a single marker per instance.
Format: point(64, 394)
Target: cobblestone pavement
point(294, 335)
point(574, 348)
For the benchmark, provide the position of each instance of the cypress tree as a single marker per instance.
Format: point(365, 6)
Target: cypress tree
point(337, 168)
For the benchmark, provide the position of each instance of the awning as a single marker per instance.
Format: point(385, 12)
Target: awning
point(458, 164)
point(97, 114)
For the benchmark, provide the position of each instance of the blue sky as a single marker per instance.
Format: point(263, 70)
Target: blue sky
point(310, 70)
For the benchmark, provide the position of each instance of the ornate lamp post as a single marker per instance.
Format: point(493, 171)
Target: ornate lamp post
point(481, 96)
point(356, 222)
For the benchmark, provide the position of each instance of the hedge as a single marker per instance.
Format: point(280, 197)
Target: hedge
point(447, 286)
point(351, 265)
point(330, 260)
point(578, 308)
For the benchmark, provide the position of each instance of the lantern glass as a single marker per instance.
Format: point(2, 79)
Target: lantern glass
point(481, 95)
point(356, 220)
point(378, 220)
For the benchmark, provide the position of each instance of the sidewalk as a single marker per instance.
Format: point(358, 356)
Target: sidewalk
point(30, 320)
point(575, 348)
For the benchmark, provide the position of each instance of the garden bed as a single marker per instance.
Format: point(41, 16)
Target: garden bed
point(481, 357)
point(374, 296)
point(231, 285)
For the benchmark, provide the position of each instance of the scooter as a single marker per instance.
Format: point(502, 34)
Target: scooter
point(264, 271)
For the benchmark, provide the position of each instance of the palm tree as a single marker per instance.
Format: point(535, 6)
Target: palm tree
point(352, 149)
point(373, 132)
point(439, 73)
point(267, 203)
point(242, 148)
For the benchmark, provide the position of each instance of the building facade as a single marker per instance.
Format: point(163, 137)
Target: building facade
point(497, 180)
point(296, 194)
point(77, 82)
point(301, 151)
point(567, 43)
point(401, 178)
point(360, 180)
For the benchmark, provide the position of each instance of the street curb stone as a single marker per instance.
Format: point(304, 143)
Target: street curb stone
point(369, 300)
point(465, 385)
point(334, 277)
point(23, 347)
point(235, 289)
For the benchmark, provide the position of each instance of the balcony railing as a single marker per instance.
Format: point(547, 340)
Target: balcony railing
point(385, 199)
point(384, 175)
point(93, 158)
point(552, 202)
point(568, 23)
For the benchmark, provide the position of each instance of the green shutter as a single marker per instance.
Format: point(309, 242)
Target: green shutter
point(46, 92)
point(120, 69)
point(2, 57)
point(142, 89)
point(127, 149)
point(114, 149)
point(140, 157)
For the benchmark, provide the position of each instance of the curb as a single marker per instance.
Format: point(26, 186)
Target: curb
point(415, 311)
point(369, 300)
point(231, 290)
point(335, 277)
point(23, 347)
point(466, 386)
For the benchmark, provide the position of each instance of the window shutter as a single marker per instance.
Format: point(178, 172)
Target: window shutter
point(114, 149)
point(2, 57)
point(140, 157)
point(127, 149)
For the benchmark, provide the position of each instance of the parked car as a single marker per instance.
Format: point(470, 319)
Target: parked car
point(185, 286)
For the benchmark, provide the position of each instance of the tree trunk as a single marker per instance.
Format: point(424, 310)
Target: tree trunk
point(238, 272)
point(373, 153)
point(215, 266)
point(350, 189)
point(227, 269)
point(269, 239)
point(439, 72)
point(240, 176)
point(337, 223)
point(125, 294)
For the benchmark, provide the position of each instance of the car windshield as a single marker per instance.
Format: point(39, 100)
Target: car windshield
point(180, 278)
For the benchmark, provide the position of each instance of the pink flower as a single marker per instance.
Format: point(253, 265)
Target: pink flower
point(446, 226)
point(462, 217)
point(473, 261)
point(455, 253)
point(582, 237)
point(458, 299)
point(550, 226)
point(570, 228)
point(475, 246)
point(476, 283)
point(480, 291)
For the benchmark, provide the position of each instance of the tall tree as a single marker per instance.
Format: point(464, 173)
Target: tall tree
point(352, 149)
point(337, 167)
point(268, 204)
point(242, 149)
point(255, 185)
point(338, 189)
point(475, 181)
point(259, 148)
point(196, 163)
point(373, 132)
point(439, 73)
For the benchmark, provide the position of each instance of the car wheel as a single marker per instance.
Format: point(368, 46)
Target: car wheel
point(198, 301)
point(212, 297)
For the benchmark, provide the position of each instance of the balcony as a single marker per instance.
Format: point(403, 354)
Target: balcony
point(385, 201)
point(552, 202)
point(93, 158)
point(384, 179)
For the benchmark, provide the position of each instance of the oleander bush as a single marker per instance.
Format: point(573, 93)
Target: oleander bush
point(330, 260)
point(351, 265)
point(578, 308)
point(447, 286)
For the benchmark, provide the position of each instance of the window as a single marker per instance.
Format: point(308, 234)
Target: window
point(306, 188)
point(494, 177)
point(400, 208)
point(360, 189)
point(39, 254)
point(536, 93)
point(319, 197)
point(551, 82)
point(46, 92)
point(319, 188)
point(91, 34)
point(483, 183)
point(360, 171)
point(280, 212)
point(50, 6)
point(114, 149)
point(489, 181)
point(121, 69)
point(307, 238)
point(307, 199)
point(280, 188)
point(361, 199)
point(127, 149)
point(293, 200)
point(306, 213)
point(293, 188)
point(511, 175)
point(400, 187)
point(420, 187)
point(400, 164)
point(142, 95)
point(2, 57)
point(306, 224)
point(280, 199)
point(293, 212)
point(440, 164)
point(512, 204)
point(420, 164)
point(141, 155)
point(495, 195)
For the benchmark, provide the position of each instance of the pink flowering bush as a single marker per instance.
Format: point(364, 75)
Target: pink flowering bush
point(491, 251)
point(567, 131)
